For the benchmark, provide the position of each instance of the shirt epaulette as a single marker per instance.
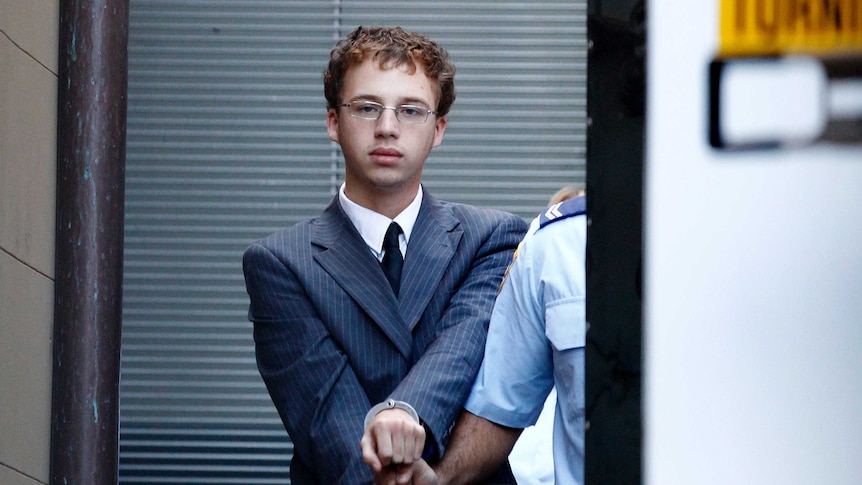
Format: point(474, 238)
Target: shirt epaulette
point(567, 208)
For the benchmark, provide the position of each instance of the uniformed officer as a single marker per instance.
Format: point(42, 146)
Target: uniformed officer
point(535, 342)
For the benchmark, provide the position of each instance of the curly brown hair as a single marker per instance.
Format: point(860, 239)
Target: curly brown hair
point(391, 47)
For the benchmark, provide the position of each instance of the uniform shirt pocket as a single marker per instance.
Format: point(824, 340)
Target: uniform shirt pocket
point(565, 323)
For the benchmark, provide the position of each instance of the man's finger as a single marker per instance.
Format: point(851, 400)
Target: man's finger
point(415, 445)
point(423, 474)
point(382, 439)
point(369, 452)
point(385, 476)
point(408, 443)
point(399, 438)
point(404, 474)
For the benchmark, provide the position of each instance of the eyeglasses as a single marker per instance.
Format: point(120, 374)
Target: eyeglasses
point(405, 113)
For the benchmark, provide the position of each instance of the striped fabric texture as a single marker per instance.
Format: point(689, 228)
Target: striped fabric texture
point(332, 339)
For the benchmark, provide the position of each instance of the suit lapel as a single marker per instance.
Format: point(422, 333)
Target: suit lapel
point(432, 244)
point(349, 262)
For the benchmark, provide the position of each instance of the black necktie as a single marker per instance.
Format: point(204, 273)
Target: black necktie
point(392, 259)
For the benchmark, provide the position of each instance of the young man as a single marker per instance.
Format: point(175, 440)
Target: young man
point(344, 349)
point(535, 341)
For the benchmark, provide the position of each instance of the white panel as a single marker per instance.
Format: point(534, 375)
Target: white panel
point(753, 342)
point(773, 100)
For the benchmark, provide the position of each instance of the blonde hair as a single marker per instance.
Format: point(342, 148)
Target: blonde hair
point(566, 193)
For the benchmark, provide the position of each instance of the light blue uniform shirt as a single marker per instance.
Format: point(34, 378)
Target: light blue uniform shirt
point(536, 341)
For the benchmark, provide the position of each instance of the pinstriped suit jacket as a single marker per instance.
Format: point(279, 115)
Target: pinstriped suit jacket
point(332, 340)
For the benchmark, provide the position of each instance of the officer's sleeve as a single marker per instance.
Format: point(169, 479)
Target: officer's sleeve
point(517, 371)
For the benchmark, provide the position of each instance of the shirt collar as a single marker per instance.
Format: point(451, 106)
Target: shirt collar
point(372, 225)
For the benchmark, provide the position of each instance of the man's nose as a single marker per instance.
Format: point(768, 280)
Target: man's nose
point(388, 124)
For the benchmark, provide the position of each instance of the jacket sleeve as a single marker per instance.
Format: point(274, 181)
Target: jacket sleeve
point(439, 382)
point(308, 377)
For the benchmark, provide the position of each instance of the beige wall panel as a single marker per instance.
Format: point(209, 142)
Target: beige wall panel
point(11, 477)
point(26, 328)
point(28, 127)
point(27, 299)
point(34, 26)
point(28, 105)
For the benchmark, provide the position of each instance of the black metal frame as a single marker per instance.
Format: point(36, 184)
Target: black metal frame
point(615, 161)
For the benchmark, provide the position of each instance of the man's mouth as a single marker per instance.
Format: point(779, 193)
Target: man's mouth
point(385, 155)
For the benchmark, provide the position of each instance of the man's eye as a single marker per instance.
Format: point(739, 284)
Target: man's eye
point(367, 108)
point(411, 110)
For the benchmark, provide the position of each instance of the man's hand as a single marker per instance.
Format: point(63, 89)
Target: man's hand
point(391, 439)
point(417, 473)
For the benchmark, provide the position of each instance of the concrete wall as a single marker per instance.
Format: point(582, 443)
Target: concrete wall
point(28, 117)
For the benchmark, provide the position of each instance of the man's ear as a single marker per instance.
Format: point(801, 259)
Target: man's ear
point(439, 128)
point(332, 124)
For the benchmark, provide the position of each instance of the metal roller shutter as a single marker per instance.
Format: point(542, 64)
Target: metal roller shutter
point(227, 143)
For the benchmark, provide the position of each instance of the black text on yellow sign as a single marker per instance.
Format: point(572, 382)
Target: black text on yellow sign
point(771, 27)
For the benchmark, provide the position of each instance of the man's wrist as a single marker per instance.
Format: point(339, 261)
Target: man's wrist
point(391, 404)
point(441, 475)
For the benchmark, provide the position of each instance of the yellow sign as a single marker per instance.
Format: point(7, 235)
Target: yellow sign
point(772, 27)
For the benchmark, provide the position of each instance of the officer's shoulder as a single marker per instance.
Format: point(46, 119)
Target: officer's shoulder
point(566, 209)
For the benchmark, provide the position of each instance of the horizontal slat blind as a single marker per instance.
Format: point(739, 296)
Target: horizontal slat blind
point(227, 143)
